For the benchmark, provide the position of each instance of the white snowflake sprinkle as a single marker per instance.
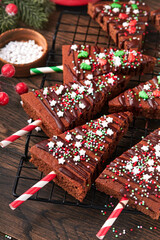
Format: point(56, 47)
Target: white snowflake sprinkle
point(61, 160)
point(74, 47)
point(146, 177)
point(51, 144)
point(45, 91)
point(102, 55)
point(145, 148)
point(99, 133)
point(146, 87)
point(53, 103)
point(87, 82)
point(110, 80)
point(60, 114)
point(75, 86)
point(109, 119)
point(89, 76)
point(80, 137)
point(76, 158)
point(59, 144)
point(68, 137)
point(82, 152)
point(104, 124)
point(110, 132)
point(81, 105)
point(78, 144)
point(134, 159)
point(116, 61)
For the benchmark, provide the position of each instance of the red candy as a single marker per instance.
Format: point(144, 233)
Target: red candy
point(131, 57)
point(156, 93)
point(131, 30)
point(132, 23)
point(102, 61)
point(8, 70)
point(123, 16)
point(21, 88)
point(4, 99)
point(11, 9)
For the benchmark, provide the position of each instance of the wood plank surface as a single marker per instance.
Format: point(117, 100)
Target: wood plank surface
point(36, 220)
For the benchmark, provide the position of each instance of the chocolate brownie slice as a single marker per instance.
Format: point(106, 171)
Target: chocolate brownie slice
point(121, 20)
point(81, 60)
point(143, 100)
point(136, 175)
point(79, 155)
point(63, 107)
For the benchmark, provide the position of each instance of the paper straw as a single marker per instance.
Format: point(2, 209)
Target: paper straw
point(20, 133)
point(42, 70)
point(112, 218)
point(35, 188)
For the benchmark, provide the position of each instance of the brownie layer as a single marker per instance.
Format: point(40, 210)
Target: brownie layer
point(143, 100)
point(79, 155)
point(136, 175)
point(122, 21)
point(155, 18)
point(79, 61)
point(63, 107)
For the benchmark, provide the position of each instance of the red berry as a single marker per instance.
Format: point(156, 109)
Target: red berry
point(102, 61)
point(123, 16)
point(8, 70)
point(131, 30)
point(156, 93)
point(131, 57)
point(11, 9)
point(21, 88)
point(133, 23)
point(4, 99)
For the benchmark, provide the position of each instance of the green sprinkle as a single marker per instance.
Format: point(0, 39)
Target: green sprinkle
point(85, 66)
point(119, 53)
point(83, 54)
point(158, 77)
point(134, 6)
point(115, 5)
point(143, 94)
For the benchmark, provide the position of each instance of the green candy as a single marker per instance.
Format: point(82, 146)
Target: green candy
point(134, 6)
point(85, 66)
point(119, 53)
point(83, 54)
point(143, 94)
point(115, 5)
point(158, 77)
point(115, 1)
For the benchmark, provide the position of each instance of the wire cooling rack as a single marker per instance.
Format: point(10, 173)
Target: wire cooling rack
point(83, 30)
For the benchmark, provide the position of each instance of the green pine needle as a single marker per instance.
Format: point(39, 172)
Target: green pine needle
point(33, 13)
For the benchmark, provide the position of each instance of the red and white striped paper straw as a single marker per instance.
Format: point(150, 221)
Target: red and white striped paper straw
point(112, 218)
point(35, 188)
point(20, 133)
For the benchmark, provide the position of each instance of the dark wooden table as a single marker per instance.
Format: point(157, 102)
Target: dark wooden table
point(45, 221)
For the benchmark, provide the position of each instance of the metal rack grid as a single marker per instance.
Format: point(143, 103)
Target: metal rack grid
point(84, 31)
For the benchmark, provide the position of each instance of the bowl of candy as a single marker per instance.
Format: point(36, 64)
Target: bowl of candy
point(23, 48)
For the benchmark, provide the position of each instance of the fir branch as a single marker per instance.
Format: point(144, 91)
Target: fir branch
point(34, 13)
point(7, 22)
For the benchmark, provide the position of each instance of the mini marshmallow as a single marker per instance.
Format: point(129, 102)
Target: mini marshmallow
point(21, 52)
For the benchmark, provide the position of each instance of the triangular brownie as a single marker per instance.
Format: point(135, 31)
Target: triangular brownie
point(79, 155)
point(79, 61)
point(63, 107)
point(143, 100)
point(125, 22)
point(136, 175)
